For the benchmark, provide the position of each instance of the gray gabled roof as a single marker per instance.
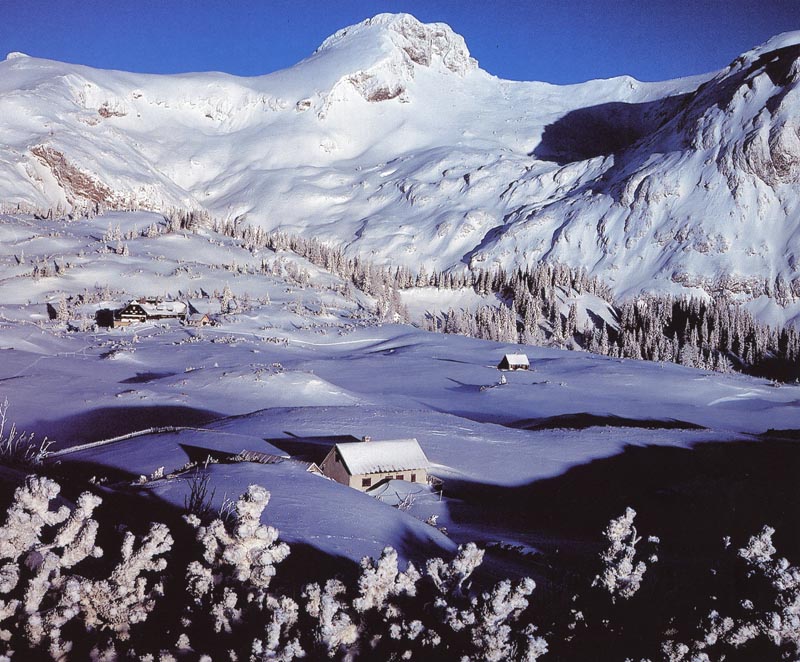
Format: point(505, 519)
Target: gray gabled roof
point(368, 457)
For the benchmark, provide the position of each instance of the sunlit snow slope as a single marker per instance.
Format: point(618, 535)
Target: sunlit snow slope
point(390, 138)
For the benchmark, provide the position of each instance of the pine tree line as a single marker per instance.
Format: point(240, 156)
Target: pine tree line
point(537, 306)
point(710, 334)
point(714, 334)
point(381, 283)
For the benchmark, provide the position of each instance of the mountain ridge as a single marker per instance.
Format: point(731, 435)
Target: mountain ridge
point(391, 140)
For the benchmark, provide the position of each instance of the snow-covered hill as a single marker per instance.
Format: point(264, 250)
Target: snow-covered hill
point(391, 139)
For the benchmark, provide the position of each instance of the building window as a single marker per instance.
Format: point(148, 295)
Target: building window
point(399, 476)
point(366, 482)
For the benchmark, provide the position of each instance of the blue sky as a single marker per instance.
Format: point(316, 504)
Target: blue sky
point(559, 41)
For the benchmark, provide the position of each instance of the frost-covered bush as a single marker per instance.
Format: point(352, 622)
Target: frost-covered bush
point(622, 574)
point(489, 619)
point(430, 614)
point(210, 595)
point(62, 599)
point(765, 624)
point(776, 615)
point(229, 610)
point(332, 627)
point(45, 605)
point(387, 614)
point(246, 549)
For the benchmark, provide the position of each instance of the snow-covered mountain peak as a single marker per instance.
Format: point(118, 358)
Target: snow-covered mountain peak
point(776, 62)
point(774, 44)
point(432, 45)
point(15, 55)
point(391, 140)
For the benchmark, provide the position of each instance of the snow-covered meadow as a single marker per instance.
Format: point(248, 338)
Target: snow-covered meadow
point(533, 463)
point(298, 358)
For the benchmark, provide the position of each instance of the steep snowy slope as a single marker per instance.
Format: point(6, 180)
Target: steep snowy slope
point(391, 139)
point(708, 198)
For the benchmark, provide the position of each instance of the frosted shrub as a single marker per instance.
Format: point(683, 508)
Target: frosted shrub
point(462, 625)
point(777, 614)
point(37, 548)
point(450, 577)
point(494, 611)
point(617, 616)
point(228, 586)
point(488, 620)
point(716, 630)
point(621, 575)
point(382, 605)
point(125, 598)
point(58, 601)
point(399, 615)
point(246, 549)
point(279, 642)
point(487, 623)
point(765, 621)
point(382, 579)
point(333, 628)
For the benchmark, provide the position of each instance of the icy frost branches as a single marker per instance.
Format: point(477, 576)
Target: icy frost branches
point(45, 606)
point(754, 615)
point(207, 596)
point(60, 599)
point(765, 621)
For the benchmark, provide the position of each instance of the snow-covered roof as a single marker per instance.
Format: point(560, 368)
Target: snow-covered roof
point(517, 359)
point(367, 457)
point(163, 307)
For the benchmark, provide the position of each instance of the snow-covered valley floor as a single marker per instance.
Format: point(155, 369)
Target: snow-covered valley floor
point(532, 468)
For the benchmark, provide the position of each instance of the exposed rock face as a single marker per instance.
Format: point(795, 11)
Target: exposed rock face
point(79, 186)
point(426, 45)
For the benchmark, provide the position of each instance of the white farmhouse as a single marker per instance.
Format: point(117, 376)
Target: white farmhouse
point(364, 464)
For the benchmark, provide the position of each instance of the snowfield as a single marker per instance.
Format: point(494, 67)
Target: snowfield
point(530, 465)
point(302, 357)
